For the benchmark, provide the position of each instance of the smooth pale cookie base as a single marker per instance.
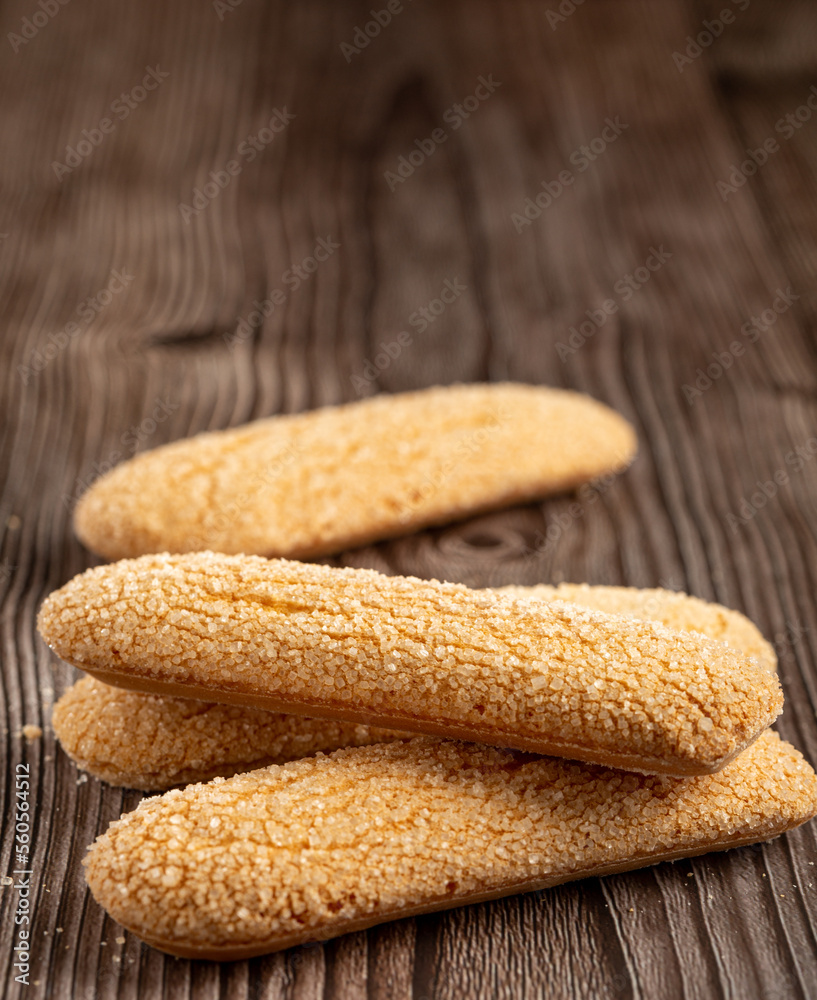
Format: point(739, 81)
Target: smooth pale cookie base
point(335, 478)
point(412, 654)
point(436, 824)
point(144, 741)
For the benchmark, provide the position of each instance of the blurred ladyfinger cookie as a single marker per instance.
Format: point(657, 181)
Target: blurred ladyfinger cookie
point(676, 610)
point(153, 742)
point(411, 654)
point(341, 476)
point(320, 847)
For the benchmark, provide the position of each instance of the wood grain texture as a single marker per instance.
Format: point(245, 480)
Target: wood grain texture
point(152, 365)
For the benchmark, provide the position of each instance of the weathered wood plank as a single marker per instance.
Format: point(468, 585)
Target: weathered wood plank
point(152, 365)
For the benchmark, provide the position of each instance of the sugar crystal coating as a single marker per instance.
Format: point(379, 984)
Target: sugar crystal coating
point(315, 848)
point(153, 741)
point(676, 610)
point(417, 655)
point(332, 478)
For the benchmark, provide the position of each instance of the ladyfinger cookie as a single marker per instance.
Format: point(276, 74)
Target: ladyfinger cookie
point(342, 476)
point(416, 655)
point(153, 742)
point(676, 610)
point(320, 847)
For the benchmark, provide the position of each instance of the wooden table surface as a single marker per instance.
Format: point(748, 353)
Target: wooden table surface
point(407, 163)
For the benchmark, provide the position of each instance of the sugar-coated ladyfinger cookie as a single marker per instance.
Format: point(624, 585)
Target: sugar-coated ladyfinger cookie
point(333, 478)
point(676, 610)
point(153, 742)
point(416, 655)
point(320, 847)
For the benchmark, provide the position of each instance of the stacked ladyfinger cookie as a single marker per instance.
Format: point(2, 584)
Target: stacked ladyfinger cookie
point(371, 747)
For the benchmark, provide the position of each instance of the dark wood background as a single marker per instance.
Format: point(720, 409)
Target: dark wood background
point(153, 365)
